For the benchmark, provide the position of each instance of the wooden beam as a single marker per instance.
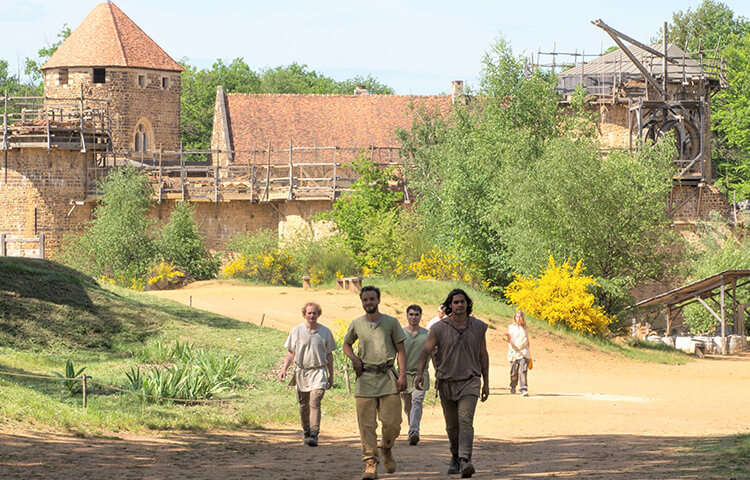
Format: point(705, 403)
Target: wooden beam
point(646, 74)
point(599, 23)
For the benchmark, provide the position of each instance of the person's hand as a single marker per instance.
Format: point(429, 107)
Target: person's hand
point(330, 383)
point(401, 383)
point(419, 383)
point(282, 374)
point(485, 391)
point(357, 366)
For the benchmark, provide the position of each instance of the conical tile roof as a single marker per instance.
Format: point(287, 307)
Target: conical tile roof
point(108, 38)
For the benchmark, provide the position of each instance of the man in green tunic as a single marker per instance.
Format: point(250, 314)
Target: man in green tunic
point(381, 341)
point(413, 399)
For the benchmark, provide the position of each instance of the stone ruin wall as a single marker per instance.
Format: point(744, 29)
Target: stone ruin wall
point(129, 102)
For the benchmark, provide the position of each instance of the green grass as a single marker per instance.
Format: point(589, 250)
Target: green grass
point(49, 313)
point(717, 458)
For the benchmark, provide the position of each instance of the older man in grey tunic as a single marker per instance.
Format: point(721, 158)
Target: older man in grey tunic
point(461, 361)
point(310, 345)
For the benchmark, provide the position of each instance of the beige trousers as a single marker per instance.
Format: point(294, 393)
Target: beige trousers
point(369, 409)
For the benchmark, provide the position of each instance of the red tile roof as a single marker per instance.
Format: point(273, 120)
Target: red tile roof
point(108, 38)
point(255, 120)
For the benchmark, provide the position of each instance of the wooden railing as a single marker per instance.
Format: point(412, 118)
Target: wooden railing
point(259, 178)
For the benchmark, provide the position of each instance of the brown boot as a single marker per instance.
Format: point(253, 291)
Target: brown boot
point(371, 470)
point(388, 461)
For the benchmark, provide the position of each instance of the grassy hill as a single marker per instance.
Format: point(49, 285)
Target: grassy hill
point(50, 313)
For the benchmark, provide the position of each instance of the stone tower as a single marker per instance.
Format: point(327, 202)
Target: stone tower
point(109, 57)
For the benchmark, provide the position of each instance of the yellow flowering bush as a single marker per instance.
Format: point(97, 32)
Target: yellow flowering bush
point(438, 265)
point(133, 283)
point(560, 295)
point(275, 267)
point(163, 270)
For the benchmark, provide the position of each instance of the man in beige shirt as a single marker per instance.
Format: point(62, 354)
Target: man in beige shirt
point(381, 341)
point(310, 345)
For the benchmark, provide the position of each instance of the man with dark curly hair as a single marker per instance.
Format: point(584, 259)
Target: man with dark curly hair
point(459, 348)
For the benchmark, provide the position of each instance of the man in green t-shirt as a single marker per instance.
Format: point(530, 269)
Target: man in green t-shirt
point(413, 399)
point(381, 341)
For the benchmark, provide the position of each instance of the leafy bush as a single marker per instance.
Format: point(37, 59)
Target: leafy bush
point(560, 295)
point(180, 241)
point(118, 242)
point(165, 275)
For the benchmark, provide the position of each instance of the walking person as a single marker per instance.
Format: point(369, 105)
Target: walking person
point(519, 354)
point(461, 361)
point(381, 342)
point(412, 398)
point(310, 345)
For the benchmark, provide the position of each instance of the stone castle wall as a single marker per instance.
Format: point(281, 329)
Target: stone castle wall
point(36, 191)
point(134, 94)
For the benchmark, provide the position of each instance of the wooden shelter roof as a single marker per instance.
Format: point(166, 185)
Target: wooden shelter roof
point(616, 62)
point(108, 38)
point(701, 288)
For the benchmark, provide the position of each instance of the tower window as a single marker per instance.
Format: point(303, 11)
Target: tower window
point(141, 139)
point(62, 76)
point(100, 74)
point(142, 81)
point(165, 82)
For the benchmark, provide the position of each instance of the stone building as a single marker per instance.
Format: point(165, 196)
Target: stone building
point(109, 58)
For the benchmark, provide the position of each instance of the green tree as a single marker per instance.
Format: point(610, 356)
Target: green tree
point(710, 26)
point(33, 68)
point(457, 161)
point(370, 202)
point(181, 241)
point(198, 97)
point(118, 244)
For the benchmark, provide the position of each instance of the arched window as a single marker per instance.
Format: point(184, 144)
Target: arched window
point(143, 138)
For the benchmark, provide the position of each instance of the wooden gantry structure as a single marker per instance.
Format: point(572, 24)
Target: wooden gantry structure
point(714, 289)
point(663, 87)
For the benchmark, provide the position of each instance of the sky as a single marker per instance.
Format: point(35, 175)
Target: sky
point(414, 46)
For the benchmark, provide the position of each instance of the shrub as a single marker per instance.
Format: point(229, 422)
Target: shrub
point(560, 295)
point(118, 242)
point(180, 241)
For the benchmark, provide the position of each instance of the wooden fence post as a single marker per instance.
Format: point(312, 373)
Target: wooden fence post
point(3, 249)
point(41, 245)
point(85, 388)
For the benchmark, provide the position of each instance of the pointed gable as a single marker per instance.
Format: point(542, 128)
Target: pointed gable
point(108, 38)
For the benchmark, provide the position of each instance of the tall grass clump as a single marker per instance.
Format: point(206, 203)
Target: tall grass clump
point(182, 372)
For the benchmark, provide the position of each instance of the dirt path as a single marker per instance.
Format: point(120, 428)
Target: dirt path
point(589, 415)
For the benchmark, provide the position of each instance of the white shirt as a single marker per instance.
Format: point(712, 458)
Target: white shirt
point(520, 338)
point(310, 350)
point(434, 321)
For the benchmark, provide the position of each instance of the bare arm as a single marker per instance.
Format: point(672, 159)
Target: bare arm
point(484, 359)
point(287, 361)
point(429, 346)
point(401, 356)
point(329, 360)
point(356, 362)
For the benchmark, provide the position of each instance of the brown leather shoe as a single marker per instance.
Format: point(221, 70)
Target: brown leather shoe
point(388, 461)
point(371, 470)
